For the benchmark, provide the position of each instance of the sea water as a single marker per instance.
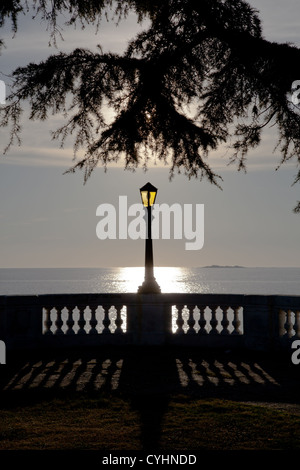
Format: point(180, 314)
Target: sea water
point(219, 280)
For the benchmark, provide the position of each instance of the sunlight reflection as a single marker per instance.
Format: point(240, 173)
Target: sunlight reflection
point(170, 279)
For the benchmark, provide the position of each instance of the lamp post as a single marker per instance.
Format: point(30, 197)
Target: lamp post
point(149, 286)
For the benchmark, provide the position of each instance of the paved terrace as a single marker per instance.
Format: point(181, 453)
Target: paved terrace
point(258, 377)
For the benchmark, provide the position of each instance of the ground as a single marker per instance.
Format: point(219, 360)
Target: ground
point(177, 399)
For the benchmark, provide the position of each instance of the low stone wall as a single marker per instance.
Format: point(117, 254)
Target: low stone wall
point(253, 322)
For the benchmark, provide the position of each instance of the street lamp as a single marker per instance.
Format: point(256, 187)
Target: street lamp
point(149, 286)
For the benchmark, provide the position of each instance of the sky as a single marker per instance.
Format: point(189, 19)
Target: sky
point(48, 218)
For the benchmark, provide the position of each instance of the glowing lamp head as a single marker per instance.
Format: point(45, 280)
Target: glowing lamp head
point(148, 194)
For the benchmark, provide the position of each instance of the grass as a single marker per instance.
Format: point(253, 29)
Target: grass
point(179, 423)
point(70, 423)
point(225, 425)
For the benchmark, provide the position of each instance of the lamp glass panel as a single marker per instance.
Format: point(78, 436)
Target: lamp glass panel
point(152, 198)
point(144, 195)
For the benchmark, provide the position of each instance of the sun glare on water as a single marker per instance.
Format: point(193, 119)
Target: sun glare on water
point(170, 279)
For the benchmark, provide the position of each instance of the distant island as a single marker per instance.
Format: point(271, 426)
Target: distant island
point(217, 266)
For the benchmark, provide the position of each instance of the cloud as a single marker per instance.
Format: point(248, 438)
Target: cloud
point(23, 47)
point(31, 156)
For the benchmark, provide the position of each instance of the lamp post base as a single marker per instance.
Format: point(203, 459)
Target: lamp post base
point(149, 286)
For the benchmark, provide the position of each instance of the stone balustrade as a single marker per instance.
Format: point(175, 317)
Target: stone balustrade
point(254, 322)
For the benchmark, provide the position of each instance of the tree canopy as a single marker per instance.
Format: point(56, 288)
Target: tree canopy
point(200, 75)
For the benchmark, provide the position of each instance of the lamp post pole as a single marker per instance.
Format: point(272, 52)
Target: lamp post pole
point(149, 285)
point(149, 248)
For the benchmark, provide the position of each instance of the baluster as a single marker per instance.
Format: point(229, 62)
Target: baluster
point(59, 323)
point(225, 321)
point(124, 318)
point(118, 320)
point(106, 321)
point(236, 321)
point(81, 321)
point(213, 322)
point(70, 322)
point(202, 321)
point(93, 321)
point(288, 324)
point(48, 322)
point(191, 320)
point(179, 320)
point(297, 324)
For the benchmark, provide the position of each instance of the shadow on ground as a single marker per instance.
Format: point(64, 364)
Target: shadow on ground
point(149, 377)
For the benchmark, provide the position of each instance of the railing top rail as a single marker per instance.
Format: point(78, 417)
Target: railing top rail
point(277, 301)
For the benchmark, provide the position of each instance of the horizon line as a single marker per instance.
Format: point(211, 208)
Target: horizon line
point(165, 266)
